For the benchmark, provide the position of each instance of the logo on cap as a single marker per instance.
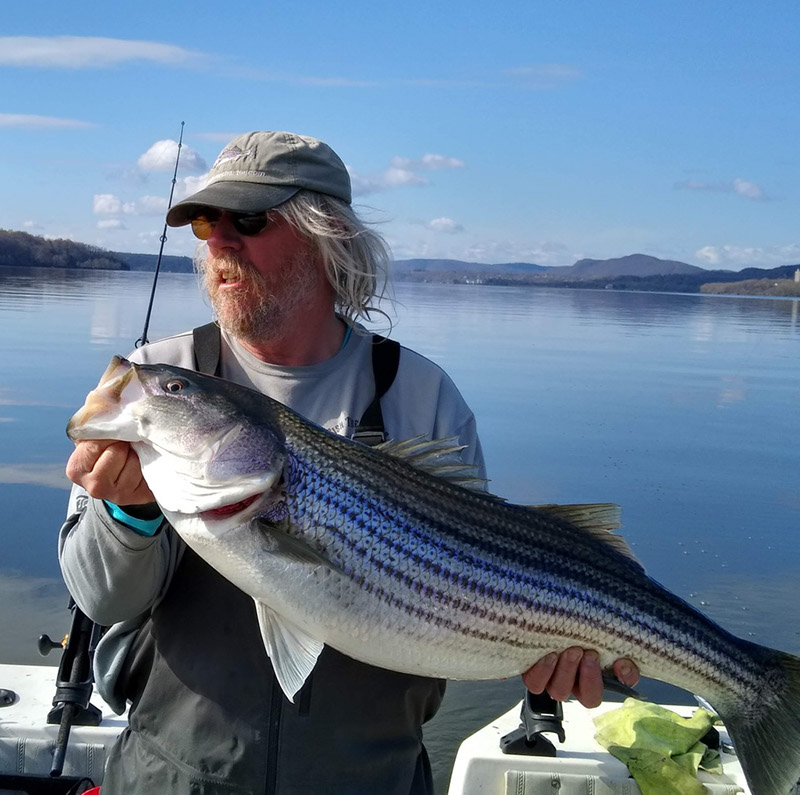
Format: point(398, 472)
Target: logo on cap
point(231, 153)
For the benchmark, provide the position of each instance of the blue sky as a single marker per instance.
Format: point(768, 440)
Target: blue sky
point(518, 131)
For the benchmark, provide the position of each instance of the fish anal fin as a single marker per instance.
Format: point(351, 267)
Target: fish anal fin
point(292, 651)
point(599, 519)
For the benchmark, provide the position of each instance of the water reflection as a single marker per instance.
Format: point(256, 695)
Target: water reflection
point(32, 606)
point(47, 475)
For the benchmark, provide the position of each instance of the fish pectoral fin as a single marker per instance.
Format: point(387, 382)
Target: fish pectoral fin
point(599, 519)
point(281, 544)
point(292, 651)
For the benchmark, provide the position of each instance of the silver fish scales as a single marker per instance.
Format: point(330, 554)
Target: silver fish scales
point(368, 551)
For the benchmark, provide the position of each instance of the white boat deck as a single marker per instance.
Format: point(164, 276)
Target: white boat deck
point(27, 742)
point(581, 767)
point(27, 745)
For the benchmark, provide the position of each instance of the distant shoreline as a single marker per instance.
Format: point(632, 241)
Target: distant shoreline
point(631, 273)
point(750, 288)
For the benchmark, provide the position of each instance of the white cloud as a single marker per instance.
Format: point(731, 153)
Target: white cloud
point(447, 225)
point(749, 256)
point(28, 122)
point(189, 185)
point(749, 190)
point(362, 184)
point(545, 76)
point(390, 178)
point(401, 176)
point(741, 187)
point(109, 204)
point(402, 171)
point(150, 205)
point(106, 203)
point(709, 254)
point(111, 223)
point(161, 157)
point(80, 52)
point(427, 162)
point(32, 225)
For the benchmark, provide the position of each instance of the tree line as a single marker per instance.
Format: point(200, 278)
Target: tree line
point(24, 250)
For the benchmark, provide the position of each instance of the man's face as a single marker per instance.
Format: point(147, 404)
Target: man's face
point(261, 284)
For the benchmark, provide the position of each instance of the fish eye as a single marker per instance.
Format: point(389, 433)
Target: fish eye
point(175, 385)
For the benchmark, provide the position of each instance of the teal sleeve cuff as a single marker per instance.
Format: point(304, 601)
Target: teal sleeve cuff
point(144, 527)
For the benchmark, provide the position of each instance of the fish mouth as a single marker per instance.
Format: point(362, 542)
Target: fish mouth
point(226, 511)
point(103, 399)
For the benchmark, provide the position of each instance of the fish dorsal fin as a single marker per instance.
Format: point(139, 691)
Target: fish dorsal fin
point(293, 652)
point(599, 519)
point(437, 457)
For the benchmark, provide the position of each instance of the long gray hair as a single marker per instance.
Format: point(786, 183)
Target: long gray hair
point(356, 258)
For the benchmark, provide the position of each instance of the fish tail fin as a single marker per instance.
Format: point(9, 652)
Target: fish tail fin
point(766, 736)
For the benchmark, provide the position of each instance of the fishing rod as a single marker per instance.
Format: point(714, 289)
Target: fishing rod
point(143, 339)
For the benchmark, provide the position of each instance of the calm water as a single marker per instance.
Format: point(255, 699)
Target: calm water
point(683, 409)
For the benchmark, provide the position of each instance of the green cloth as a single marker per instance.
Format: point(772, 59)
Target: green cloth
point(660, 748)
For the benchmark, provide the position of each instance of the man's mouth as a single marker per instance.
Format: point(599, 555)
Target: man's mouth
point(227, 279)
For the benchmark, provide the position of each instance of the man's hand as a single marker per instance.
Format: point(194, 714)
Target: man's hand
point(576, 671)
point(110, 471)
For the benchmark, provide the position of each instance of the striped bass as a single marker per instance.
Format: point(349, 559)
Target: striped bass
point(368, 551)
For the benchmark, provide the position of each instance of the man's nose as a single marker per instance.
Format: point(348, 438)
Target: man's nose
point(224, 235)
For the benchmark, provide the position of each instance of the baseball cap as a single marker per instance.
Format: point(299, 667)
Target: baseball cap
point(260, 170)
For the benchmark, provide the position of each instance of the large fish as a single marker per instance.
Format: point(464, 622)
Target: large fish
point(369, 552)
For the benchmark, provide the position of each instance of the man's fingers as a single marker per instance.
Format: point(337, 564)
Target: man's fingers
point(537, 676)
point(84, 457)
point(626, 671)
point(562, 681)
point(576, 671)
point(112, 463)
point(589, 685)
point(109, 470)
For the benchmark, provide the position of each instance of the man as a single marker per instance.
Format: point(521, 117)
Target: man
point(289, 269)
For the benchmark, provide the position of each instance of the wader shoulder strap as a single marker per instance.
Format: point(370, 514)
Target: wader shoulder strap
point(207, 344)
point(385, 360)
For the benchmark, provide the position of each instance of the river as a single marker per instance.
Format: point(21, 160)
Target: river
point(681, 408)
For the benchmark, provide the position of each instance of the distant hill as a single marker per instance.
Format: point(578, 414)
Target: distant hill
point(640, 265)
point(147, 262)
point(632, 265)
point(449, 265)
point(20, 249)
point(633, 272)
point(685, 282)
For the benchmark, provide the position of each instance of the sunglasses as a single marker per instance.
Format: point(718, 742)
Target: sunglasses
point(247, 224)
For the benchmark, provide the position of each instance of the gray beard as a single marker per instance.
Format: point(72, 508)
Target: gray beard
point(259, 312)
